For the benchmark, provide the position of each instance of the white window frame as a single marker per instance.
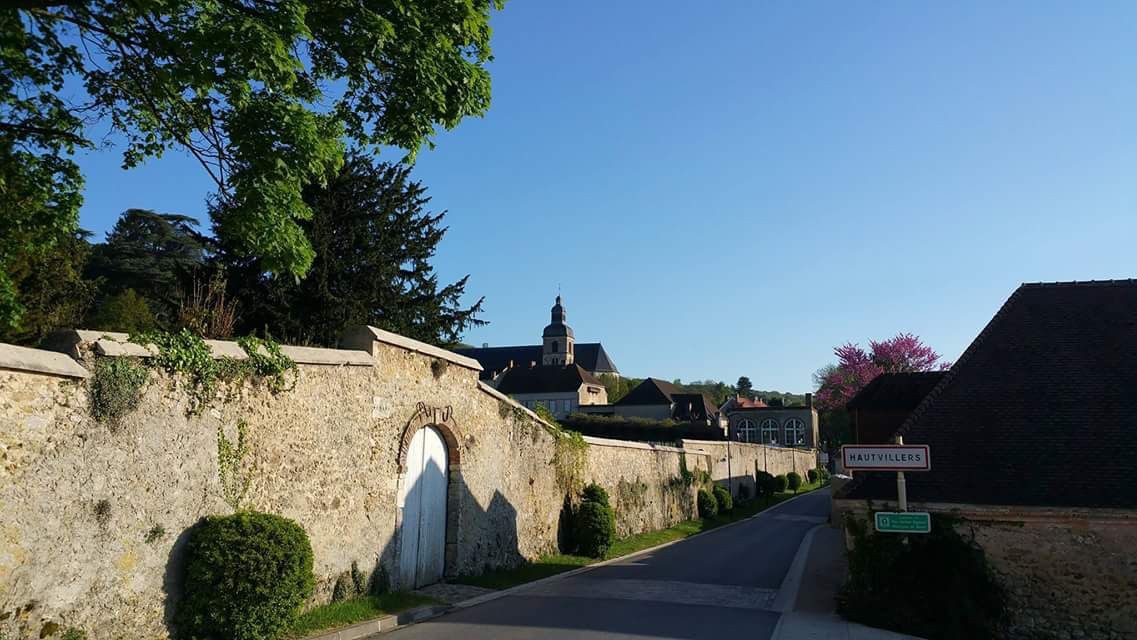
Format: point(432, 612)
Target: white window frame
point(770, 430)
point(746, 430)
point(796, 427)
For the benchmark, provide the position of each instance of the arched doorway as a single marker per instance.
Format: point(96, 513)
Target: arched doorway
point(422, 535)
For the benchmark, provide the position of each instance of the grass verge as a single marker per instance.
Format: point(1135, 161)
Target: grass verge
point(551, 565)
point(345, 612)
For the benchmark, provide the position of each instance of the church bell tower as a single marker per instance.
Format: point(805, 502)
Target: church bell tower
point(558, 339)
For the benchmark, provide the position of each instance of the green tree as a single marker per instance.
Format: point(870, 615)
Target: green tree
point(154, 254)
point(260, 92)
point(124, 311)
point(744, 388)
point(52, 289)
point(374, 240)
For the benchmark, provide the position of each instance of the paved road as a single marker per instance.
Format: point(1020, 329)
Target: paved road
point(722, 584)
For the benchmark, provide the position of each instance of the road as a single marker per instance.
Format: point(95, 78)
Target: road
point(722, 584)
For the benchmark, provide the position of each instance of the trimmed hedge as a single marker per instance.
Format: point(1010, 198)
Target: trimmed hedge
point(724, 499)
point(813, 476)
point(793, 481)
point(246, 577)
point(595, 493)
point(595, 529)
point(780, 484)
point(708, 506)
point(764, 484)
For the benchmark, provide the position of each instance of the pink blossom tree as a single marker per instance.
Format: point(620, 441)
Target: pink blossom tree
point(902, 353)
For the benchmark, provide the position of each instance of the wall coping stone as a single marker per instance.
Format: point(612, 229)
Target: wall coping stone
point(360, 339)
point(40, 361)
point(1048, 514)
point(116, 344)
point(721, 443)
point(510, 401)
point(631, 444)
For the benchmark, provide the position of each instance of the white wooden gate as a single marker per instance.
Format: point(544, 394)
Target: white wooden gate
point(423, 537)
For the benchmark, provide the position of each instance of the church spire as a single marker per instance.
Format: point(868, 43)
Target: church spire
point(558, 339)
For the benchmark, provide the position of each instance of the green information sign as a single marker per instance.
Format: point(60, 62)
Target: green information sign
point(905, 522)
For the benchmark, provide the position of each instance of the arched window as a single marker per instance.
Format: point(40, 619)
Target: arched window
point(747, 432)
point(770, 431)
point(795, 432)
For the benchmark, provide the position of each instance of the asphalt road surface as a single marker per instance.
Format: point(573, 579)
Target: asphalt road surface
point(722, 584)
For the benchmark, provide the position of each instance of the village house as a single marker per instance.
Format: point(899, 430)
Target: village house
point(1032, 437)
point(788, 425)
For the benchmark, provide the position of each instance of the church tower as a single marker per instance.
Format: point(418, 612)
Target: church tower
point(558, 339)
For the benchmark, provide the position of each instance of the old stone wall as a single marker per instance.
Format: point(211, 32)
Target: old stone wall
point(646, 483)
point(95, 516)
point(746, 460)
point(1068, 573)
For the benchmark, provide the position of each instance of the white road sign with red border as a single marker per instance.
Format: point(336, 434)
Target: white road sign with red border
point(886, 457)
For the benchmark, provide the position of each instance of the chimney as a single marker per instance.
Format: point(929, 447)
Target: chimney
point(485, 345)
point(809, 400)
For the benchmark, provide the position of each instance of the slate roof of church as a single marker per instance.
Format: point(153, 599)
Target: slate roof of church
point(589, 355)
point(895, 391)
point(545, 379)
point(1040, 410)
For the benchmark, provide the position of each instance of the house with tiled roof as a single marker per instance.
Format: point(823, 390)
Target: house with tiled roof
point(656, 399)
point(558, 374)
point(1033, 443)
point(882, 405)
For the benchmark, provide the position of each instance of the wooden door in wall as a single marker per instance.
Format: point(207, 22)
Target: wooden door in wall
point(423, 535)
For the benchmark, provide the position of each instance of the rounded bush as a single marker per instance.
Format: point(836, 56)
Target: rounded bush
point(246, 577)
point(708, 506)
point(724, 499)
point(595, 529)
point(743, 492)
point(793, 480)
point(595, 493)
point(764, 483)
point(780, 483)
point(813, 476)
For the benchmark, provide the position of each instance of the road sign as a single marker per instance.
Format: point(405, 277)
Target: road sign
point(886, 457)
point(906, 522)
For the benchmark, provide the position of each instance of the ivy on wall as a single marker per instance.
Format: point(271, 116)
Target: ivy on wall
point(116, 389)
point(232, 470)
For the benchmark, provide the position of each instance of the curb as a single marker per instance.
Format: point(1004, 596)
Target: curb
point(489, 597)
point(385, 624)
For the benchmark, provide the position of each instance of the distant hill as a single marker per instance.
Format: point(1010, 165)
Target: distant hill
point(718, 390)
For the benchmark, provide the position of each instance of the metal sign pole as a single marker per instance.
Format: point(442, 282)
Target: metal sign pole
point(901, 484)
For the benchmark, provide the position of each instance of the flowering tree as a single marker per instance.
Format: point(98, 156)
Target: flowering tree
point(903, 353)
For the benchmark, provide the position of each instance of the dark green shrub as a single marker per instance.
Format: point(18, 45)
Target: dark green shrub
point(246, 577)
point(595, 529)
point(708, 506)
point(723, 499)
point(937, 586)
point(793, 481)
point(116, 389)
point(344, 588)
point(813, 476)
point(823, 475)
point(780, 483)
point(358, 580)
point(595, 493)
point(764, 484)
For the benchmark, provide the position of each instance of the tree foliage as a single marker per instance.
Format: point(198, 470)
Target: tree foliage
point(261, 92)
point(902, 353)
point(51, 288)
point(744, 387)
point(374, 240)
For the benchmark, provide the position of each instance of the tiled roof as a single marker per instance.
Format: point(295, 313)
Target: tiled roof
point(1041, 410)
point(895, 391)
point(590, 355)
point(545, 379)
point(650, 391)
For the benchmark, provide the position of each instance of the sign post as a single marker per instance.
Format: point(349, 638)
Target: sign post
point(900, 458)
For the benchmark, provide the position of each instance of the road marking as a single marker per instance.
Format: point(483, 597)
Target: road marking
point(787, 593)
point(670, 591)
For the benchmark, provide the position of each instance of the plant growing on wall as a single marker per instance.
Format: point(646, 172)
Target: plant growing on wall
point(186, 354)
point(117, 389)
point(231, 468)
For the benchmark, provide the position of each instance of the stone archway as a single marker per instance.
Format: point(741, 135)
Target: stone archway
point(439, 420)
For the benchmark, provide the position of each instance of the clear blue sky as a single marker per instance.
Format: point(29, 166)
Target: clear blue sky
point(734, 188)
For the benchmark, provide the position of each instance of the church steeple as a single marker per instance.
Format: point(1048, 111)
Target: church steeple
point(558, 338)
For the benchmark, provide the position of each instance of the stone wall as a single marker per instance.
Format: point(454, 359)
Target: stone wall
point(746, 460)
point(1069, 574)
point(95, 516)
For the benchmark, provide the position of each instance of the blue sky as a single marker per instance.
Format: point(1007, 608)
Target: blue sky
point(734, 188)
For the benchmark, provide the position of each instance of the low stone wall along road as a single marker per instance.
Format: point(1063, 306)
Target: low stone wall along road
point(722, 584)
